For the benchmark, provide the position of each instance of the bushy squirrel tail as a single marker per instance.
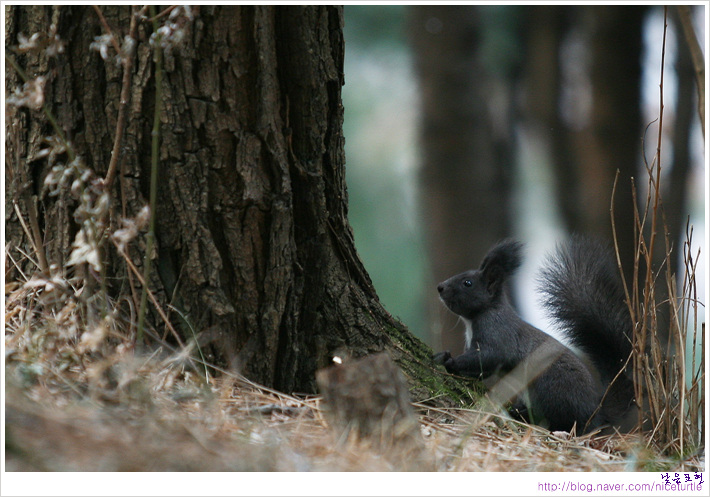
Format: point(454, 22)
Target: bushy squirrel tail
point(583, 291)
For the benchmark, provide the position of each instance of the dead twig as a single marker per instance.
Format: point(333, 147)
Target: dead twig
point(150, 295)
point(34, 234)
point(127, 59)
point(107, 28)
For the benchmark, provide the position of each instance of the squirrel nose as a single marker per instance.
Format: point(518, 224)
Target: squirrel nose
point(440, 287)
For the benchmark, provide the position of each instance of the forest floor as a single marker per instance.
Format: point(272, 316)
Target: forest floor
point(83, 401)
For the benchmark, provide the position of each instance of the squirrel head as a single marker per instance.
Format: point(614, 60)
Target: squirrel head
point(473, 292)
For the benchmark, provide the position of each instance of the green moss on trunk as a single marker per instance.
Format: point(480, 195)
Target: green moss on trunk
point(429, 382)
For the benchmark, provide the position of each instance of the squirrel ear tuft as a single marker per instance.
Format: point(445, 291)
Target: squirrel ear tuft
point(500, 263)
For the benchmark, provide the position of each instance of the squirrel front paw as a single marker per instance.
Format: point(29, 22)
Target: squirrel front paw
point(446, 360)
point(441, 357)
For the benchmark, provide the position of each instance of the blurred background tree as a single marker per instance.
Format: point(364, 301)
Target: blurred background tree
point(465, 136)
point(469, 124)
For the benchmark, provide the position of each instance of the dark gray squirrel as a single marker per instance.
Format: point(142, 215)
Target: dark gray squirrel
point(582, 289)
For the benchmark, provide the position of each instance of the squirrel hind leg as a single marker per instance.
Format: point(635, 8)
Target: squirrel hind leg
point(519, 411)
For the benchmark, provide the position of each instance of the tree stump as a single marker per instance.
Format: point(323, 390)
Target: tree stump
point(368, 400)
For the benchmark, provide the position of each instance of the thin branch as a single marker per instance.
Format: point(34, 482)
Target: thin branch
point(107, 28)
point(123, 104)
point(155, 146)
point(163, 13)
point(34, 235)
point(150, 295)
point(616, 249)
point(656, 182)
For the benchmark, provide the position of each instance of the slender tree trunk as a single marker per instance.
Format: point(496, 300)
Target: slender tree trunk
point(254, 253)
point(465, 179)
point(547, 26)
point(676, 203)
point(609, 134)
point(612, 140)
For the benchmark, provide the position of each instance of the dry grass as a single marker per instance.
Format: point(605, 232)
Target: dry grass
point(79, 404)
point(668, 362)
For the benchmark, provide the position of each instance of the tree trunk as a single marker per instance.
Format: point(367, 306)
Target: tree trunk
point(601, 133)
point(547, 26)
point(466, 180)
point(676, 195)
point(253, 247)
point(612, 140)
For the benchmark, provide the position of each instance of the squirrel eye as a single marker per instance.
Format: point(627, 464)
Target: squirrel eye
point(467, 283)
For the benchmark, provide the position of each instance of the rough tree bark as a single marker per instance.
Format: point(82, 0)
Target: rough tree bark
point(253, 245)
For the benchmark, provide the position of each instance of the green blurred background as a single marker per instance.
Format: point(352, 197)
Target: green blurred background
point(388, 158)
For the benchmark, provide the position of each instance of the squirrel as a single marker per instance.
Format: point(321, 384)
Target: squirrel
point(583, 291)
